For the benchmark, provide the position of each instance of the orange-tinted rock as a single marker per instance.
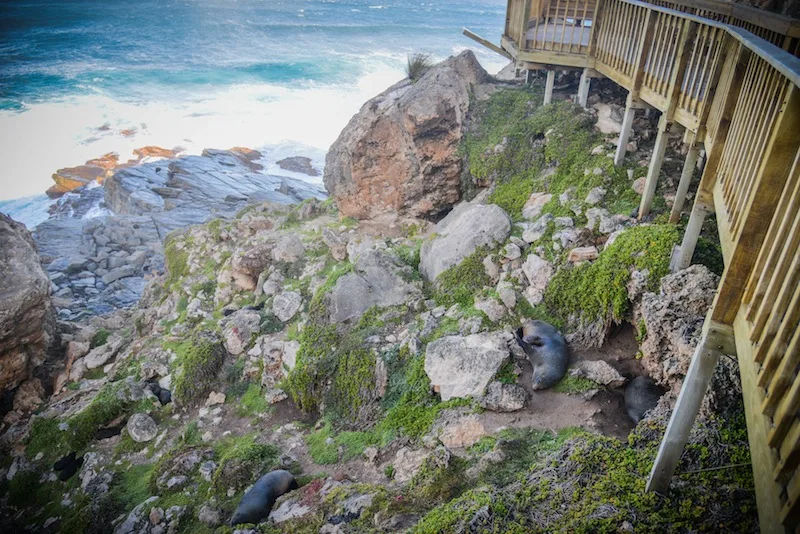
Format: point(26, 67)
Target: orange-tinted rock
point(398, 157)
point(154, 152)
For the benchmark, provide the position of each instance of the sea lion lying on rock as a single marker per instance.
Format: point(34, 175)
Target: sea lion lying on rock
point(641, 396)
point(546, 350)
point(67, 466)
point(164, 395)
point(257, 503)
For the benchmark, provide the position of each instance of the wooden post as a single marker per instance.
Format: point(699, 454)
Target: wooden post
point(583, 88)
point(686, 250)
point(716, 339)
point(686, 178)
point(654, 170)
point(624, 134)
point(528, 77)
point(548, 86)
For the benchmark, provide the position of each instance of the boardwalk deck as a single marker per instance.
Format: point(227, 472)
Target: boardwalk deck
point(730, 76)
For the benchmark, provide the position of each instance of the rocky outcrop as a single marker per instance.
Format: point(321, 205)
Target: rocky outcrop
point(26, 318)
point(673, 321)
point(298, 164)
point(398, 156)
point(460, 234)
point(461, 367)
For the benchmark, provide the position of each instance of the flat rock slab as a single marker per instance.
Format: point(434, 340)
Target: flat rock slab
point(462, 366)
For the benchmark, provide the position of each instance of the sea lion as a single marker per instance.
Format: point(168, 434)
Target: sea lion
point(163, 395)
point(67, 466)
point(546, 350)
point(641, 396)
point(257, 503)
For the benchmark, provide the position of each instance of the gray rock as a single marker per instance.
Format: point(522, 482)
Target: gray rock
point(493, 309)
point(595, 196)
point(289, 249)
point(121, 272)
point(336, 243)
point(460, 234)
point(507, 294)
point(537, 229)
point(461, 367)
point(286, 305)
point(533, 207)
point(209, 515)
point(137, 520)
point(26, 317)
point(598, 371)
point(379, 278)
point(538, 272)
point(141, 427)
point(99, 356)
point(239, 329)
point(274, 284)
point(504, 397)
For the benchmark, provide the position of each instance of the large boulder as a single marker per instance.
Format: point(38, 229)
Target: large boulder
point(379, 278)
point(26, 317)
point(398, 156)
point(462, 366)
point(460, 234)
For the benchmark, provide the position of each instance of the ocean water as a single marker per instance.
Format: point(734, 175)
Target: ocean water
point(81, 78)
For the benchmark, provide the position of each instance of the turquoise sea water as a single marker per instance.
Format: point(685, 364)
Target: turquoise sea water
point(285, 75)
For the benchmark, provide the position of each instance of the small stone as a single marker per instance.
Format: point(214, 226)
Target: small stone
point(286, 305)
point(507, 294)
point(491, 268)
point(581, 254)
point(512, 251)
point(595, 196)
point(439, 311)
point(564, 222)
point(215, 398)
point(207, 436)
point(463, 432)
point(598, 371)
point(177, 481)
point(207, 469)
point(596, 151)
point(208, 515)
point(141, 427)
point(371, 454)
point(534, 205)
point(504, 397)
point(492, 308)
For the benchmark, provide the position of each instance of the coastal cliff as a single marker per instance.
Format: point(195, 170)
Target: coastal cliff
point(365, 342)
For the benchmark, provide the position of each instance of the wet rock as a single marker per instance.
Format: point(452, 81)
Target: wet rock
point(399, 155)
point(504, 397)
point(299, 164)
point(460, 234)
point(461, 367)
point(142, 428)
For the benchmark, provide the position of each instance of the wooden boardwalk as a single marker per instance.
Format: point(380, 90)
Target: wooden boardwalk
point(730, 77)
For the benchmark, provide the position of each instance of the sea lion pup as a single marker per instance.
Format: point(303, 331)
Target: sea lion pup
point(163, 395)
point(67, 466)
point(641, 396)
point(546, 350)
point(257, 503)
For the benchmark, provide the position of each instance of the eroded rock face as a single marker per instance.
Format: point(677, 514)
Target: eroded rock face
point(461, 367)
point(673, 320)
point(398, 156)
point(460, 234)
point(25, 311)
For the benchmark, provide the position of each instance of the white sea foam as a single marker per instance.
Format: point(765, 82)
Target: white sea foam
point(301, 120)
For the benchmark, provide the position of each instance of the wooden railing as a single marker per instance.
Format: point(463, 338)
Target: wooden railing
point(738, 96)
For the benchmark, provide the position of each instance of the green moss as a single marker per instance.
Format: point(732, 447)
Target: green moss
point(454, 515)
point(45, 437)
point(100, 338)
point(353, 384)
point(506, 373)
point(252, 402)
point(709, 253)
point(574, 384)
point(131, 486)
point(597, 291)
point(176, 260)
point(22, 487)
point(241, 462)
point(439, 478)
point(324, 445)
point(200, 359)
point(314, 358)
point(459, 284)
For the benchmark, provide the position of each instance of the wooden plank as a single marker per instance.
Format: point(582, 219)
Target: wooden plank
point(763, 458)
point(555, 58)
point(686, 178)
point(491, 46)
point(715, 340)
point(654, 170)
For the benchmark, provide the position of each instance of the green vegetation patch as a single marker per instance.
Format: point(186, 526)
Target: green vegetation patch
point(252, 402)
point(459, 284)
point(176, 259)
point(100, 338)
point(324, 445)
point(597, 291)
point(575, 384)
point(241, 462)
point(201, 359)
